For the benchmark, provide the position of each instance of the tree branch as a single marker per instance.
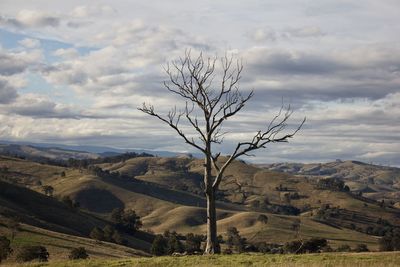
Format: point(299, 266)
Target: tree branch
point(173, 122)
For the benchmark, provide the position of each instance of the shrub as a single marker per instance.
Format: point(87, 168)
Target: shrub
point(344, 248)
point(391, 240)
point(308, 246)
point(234, 240)
point(361, 248)
point(293, 247)
point(263, 218)
point(5, 248)
point(315, 245)
point(13, 226)
point(127, 220)
point(193, 243)
point(97, 234)
point(108, 232)
point(159, 246)
point(29, 253)
point(173, 244)
point(78, 253)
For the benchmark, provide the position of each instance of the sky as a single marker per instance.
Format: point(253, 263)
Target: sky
point(74, 72)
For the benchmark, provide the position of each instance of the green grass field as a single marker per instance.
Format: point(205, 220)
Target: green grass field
point(386, 259)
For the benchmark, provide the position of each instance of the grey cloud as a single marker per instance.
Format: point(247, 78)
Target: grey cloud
point(303, 77)
point(78, 24)
point(31, 18)
point(287, 63)
point(38, 107)
point(7, 92)
point(304, 32)
point(10, 65)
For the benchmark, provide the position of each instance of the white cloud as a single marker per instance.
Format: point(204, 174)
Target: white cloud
point(36, 18)
point(335, 62)
point(68, 53)
point(30, 43)
point(95, 10)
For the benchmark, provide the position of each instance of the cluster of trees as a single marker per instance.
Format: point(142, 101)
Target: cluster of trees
point(30, 253)
point(307, 246)
point(108, 233)
point(336, 215)
point(390, 241)
point(126, 220)
point(234, 241)
point(36, 252)
point(334, 184)
point(171, 242)
point(313, 245)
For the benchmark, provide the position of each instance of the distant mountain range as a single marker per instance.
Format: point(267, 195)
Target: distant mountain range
point(64, 152)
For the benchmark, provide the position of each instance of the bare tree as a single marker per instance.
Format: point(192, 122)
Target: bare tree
point(208, 105)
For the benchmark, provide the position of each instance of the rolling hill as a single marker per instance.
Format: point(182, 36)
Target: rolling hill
point(373, 181)
point(167, 193)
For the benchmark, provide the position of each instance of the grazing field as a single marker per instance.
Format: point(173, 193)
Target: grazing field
point(386, 259)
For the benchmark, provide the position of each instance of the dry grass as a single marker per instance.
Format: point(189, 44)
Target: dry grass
point(313, 260)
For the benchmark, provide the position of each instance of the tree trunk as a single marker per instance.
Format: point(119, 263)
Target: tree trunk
point(212, 245)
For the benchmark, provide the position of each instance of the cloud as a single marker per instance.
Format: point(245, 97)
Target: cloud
point(372, 73)
point(17, 62)
point(66, 53)
point(269, 34)
point(95, 10)
point(31, 19)
point(8, 93)
point(305, 32)
point(30, 43)
point(37, 106)
point(342, 72)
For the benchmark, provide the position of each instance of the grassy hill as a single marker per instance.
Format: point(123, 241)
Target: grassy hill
point(388, 259)
point(167, 193)
point(59, 244)
point(376, 182)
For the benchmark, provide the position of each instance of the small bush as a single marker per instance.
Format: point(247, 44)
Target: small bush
point(5, 248)
point(234, 240)
point(29, 253)
point(97, 234)
point(361, 248)
point(344, 248)
point(78, 253)
point(312, 245)
point(159, 246)
point(263, 218)
point(193, 243)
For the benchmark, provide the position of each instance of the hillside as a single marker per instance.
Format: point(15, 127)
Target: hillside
point(167, 194)
point(33, 208)
point(373, 181)
point(44, 153)
point(59, 244)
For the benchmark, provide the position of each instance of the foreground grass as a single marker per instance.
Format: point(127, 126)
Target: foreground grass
point(388, 259)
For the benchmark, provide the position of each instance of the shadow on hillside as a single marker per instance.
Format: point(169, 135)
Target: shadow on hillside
point(98, 200)
point(156, 191)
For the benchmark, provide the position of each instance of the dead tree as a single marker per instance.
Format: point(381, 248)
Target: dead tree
point(208, 105)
